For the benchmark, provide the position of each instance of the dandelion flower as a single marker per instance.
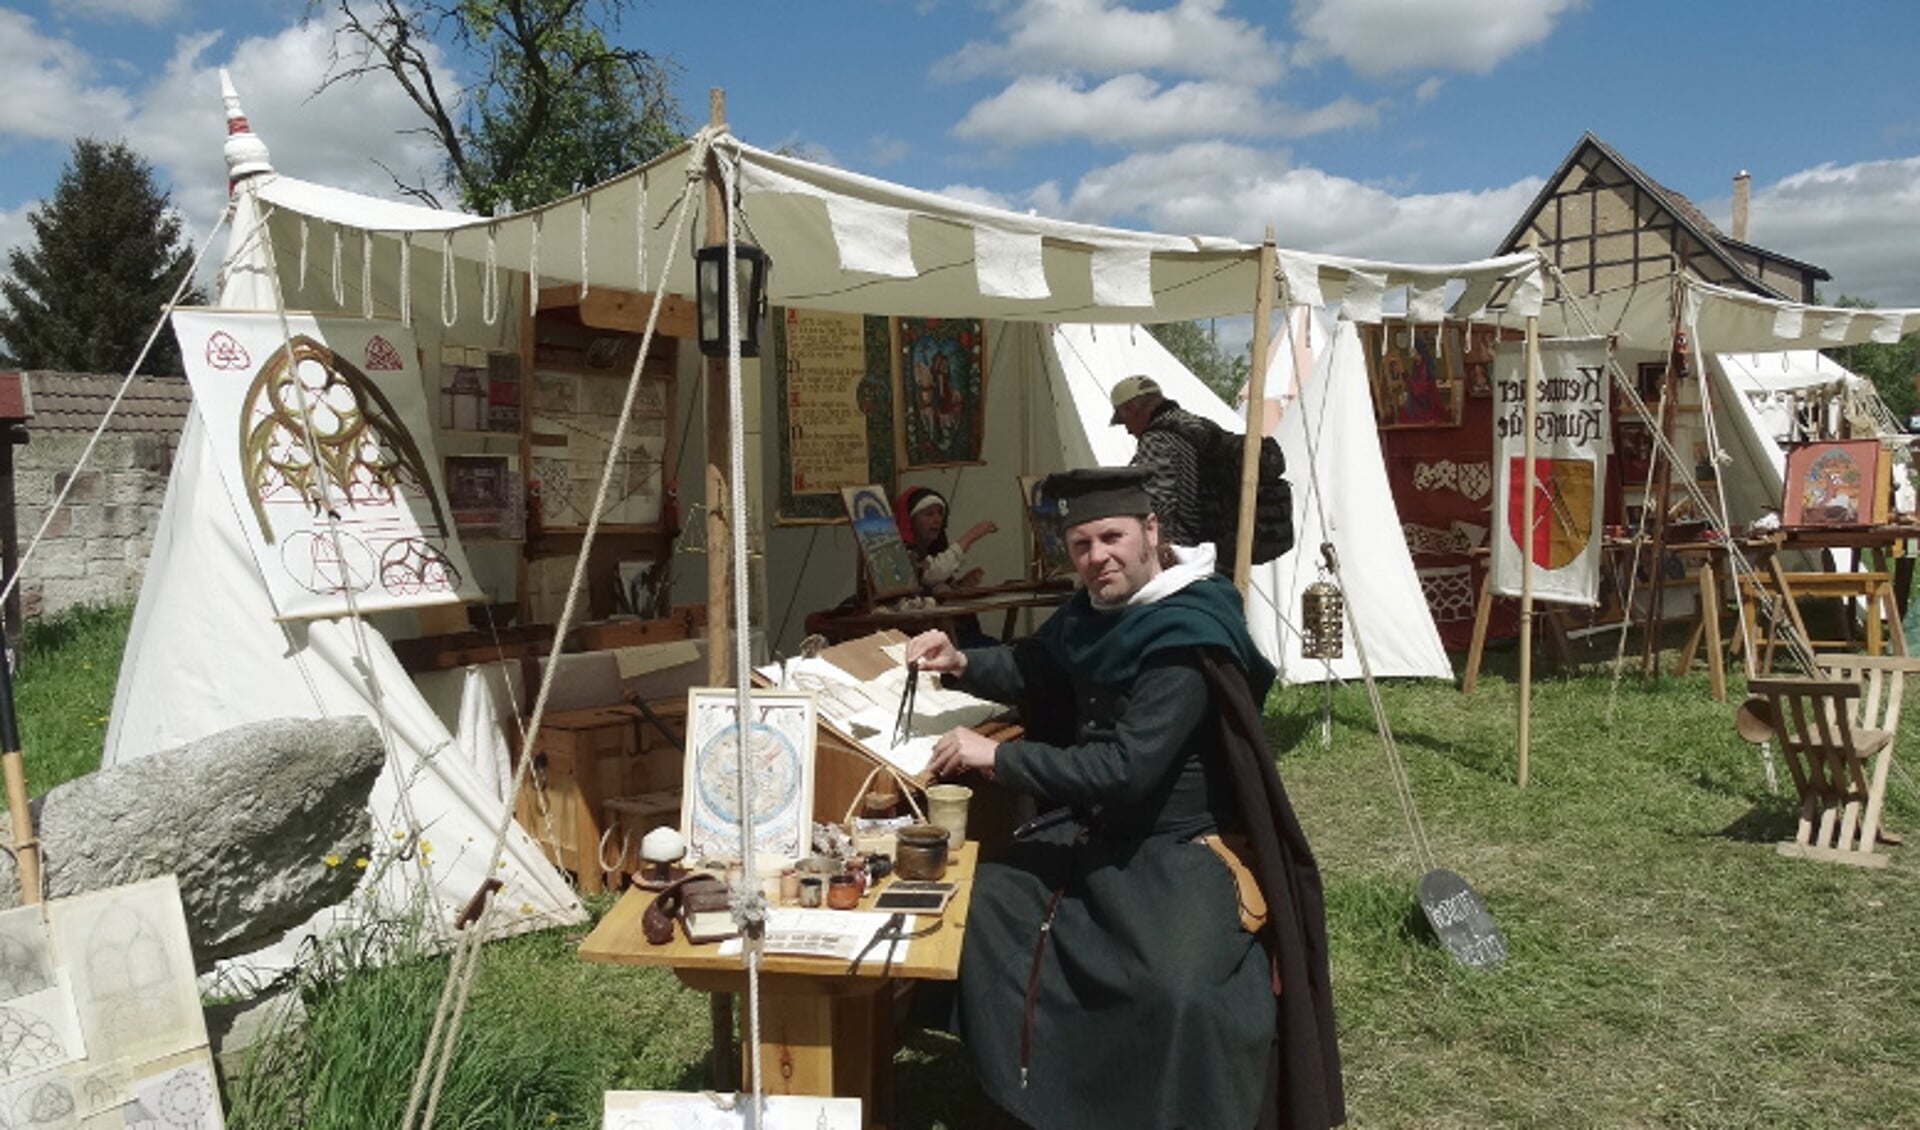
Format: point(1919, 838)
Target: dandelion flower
point(330, 859)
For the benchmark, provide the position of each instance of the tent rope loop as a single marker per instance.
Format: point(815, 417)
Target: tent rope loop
point(586, 235)
point(339, 282)
point(533, 263)
point(300, 280)
point(366, 275)
point(490, 278)
point(406, 279)
point(449, 285)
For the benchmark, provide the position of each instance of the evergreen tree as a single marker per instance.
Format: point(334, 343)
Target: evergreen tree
point(105, 257)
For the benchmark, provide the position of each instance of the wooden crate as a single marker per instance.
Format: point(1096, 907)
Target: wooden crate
point(582, 759)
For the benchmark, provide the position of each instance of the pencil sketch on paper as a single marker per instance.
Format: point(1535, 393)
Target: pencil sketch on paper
point(674, 1110)
point(46, 1102)
point(25, 965)
point(131, 967)
point(179, 1099)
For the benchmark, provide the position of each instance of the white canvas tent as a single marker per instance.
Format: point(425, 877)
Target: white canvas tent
point(205, 652)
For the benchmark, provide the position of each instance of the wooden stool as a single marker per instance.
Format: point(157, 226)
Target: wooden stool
point(1829, 729)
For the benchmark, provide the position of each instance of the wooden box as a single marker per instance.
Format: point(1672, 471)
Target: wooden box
point(582, 759)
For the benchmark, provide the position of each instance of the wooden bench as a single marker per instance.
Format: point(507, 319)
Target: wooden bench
point(1836, 735)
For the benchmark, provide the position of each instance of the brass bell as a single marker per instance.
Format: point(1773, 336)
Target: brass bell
point(1323, 617)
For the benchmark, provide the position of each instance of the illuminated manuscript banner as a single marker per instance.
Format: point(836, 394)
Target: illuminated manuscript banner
point(1571, 441)
point(835, 409)
point(319, 427)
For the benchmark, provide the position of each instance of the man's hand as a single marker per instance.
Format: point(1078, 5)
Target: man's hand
point(960, 750)
point(936, 653)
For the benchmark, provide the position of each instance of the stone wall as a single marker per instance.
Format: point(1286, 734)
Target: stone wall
point(95, 549)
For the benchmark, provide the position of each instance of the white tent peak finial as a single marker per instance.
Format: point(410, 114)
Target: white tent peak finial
point(246, 154)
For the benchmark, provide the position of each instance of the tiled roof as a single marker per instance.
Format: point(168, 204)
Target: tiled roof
point(74, 402)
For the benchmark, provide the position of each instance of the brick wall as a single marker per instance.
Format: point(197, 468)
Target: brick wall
point(96, 545)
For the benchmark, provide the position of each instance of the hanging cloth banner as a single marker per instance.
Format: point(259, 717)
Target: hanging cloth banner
point(1572, 436)
point(320, 429)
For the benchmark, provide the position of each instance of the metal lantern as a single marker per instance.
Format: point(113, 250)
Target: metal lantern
point(714, 303)
point(1323, 618)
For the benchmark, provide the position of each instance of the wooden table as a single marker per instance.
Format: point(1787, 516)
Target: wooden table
point(1007, 599)
point(1881, 587)
point(823, 1031)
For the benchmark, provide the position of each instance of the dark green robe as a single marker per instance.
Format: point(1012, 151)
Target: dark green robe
point(1152, 1006)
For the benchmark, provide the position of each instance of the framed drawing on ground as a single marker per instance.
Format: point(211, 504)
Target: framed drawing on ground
point(942, 383)
point(779, 774)
point(890, 570)
point(1833, 483)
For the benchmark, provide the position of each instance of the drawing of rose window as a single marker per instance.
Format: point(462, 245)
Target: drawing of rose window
point(324, 450)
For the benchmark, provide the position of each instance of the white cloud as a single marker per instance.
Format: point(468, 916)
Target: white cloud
point(14, 231)
point(1861, 222)
point(883, 151)
point(150, 12)
point(340, 137)
point(1380, 37)
point(1133, 109)
point(1219, 188)
point(1100, 37)
point(49, 88)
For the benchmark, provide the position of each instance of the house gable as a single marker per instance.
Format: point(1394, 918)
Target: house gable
point(1607, 226)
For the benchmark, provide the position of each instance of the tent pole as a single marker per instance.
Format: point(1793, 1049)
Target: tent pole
point(719, 406)
point(1526, 547)
point(1256, 414)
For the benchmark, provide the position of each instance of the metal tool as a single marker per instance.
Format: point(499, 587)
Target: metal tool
point(893, 931)
point(903, 720)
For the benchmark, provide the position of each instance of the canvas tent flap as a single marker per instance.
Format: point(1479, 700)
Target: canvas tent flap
point(206, 652)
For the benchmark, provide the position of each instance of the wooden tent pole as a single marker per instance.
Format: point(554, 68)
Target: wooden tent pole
point(1526, 547)
point(719, 406)
point(1256, 414)
point(26, 846)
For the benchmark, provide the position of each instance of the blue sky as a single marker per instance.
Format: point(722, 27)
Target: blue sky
point(1415, 130)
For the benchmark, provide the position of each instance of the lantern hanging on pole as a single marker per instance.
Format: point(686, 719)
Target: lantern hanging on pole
point(1323, 619)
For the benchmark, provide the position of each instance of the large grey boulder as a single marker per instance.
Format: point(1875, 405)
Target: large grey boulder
point(246, 818)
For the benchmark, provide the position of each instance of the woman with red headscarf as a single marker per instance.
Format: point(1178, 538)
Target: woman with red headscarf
point(921, 514)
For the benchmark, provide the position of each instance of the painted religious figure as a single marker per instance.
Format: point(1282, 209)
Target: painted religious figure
point(1831, 484)
point(1414, 384)
point(943, 391)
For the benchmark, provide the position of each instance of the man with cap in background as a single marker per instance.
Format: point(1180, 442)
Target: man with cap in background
point(1125, 959)
point(1165, 435)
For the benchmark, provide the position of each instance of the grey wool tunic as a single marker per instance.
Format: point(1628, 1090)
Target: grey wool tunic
point(1151, 1005)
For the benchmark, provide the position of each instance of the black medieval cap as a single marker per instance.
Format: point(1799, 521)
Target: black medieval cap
point(1091, 493)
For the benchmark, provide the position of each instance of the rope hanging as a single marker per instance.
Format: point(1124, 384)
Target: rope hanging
point(366, 275)
point(1396, 765)
point(430, 1076)
point(586, 230)
point(339, 282)
point(406, 279)
point(490, 278)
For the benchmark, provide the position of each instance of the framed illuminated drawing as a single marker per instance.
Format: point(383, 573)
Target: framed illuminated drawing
point(778, 774)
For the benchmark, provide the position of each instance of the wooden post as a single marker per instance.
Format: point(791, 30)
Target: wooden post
point(719, 408)
point(26, 848)
point(1526, 547)
point(1656, 508)
point(1256, 414)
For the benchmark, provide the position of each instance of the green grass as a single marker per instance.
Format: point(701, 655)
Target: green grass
point(1667, 968)
point(68, 666)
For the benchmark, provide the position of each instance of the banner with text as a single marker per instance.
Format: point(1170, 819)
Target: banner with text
point(1572, 437)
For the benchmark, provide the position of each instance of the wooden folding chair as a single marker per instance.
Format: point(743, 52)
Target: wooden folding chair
point(1829, 730)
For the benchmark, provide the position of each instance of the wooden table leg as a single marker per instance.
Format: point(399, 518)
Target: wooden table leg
point(723, 1067)
point(1483, 608)
point(818, 1036)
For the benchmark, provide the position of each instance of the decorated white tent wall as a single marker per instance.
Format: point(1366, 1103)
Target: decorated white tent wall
point(206, 651)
